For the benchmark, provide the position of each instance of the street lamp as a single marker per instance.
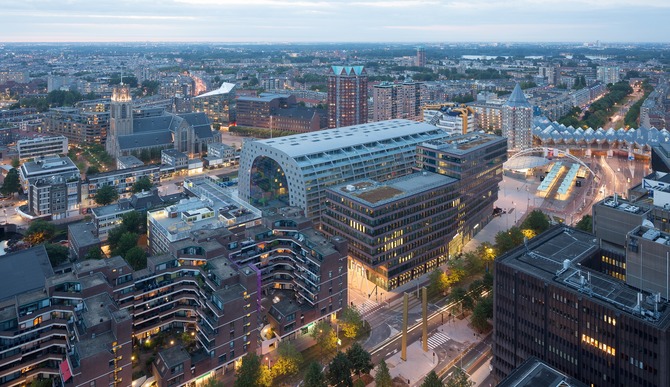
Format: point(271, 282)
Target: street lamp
point(268, 359)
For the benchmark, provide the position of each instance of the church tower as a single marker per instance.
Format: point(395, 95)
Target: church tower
point(120, 118)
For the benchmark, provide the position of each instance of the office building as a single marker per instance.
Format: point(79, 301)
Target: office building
point(81, 239)
point(41, 146)
point(257, 112)
point(476, 161)
point(397, 230)
point(420, 60)
point(451, 118)
point(79, 125)
point(53, 185)
point(174, 159)
point(397, 100)
point(550, 303)
point(488, 115)
point(213, 207)
point(125, 162)
point(218, 105)
point(304, 165)
point(121, 179)
point(347, 96)
point(517, 121)
point(608, 74)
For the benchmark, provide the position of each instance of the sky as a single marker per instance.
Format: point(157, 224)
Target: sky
point(334, 20)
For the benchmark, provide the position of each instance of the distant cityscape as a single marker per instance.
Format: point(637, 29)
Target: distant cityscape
point(463, 214)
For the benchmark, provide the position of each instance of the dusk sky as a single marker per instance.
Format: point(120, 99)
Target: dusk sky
point(334, 21)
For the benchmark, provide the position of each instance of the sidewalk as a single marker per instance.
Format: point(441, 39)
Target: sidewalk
point(420, 363)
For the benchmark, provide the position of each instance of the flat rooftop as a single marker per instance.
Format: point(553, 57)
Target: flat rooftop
point(535, 373)
point(464, 143)
point(623, 205)
point(24, 271)
point(305, 144)
point(82, 233)
point(375, 194)
point(557, 255)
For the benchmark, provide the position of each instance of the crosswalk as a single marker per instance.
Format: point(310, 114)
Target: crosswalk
point(437, 339)
point(367, 306)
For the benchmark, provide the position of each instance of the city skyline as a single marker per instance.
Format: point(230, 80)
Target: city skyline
point(334, 21)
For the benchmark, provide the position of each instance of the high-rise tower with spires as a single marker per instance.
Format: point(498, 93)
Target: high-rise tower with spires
point(347, 96)
point(517, 121)
point(120, 118)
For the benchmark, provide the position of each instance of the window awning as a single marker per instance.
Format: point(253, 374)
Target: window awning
point(65, 372)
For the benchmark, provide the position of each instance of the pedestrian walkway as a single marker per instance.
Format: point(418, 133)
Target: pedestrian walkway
point(437, 339)
point(367, 307)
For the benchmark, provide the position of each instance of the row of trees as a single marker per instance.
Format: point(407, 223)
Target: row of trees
point(600, 111)
point(253, 373)
point(108, 194)
point(123, 239)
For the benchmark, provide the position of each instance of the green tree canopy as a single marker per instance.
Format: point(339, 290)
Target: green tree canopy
point(106, 195)
point(431, 380)
point(537, 221)
point(92, 170)
point(94, 253)
point(585, 223)
point(39, 231)
point(127, 241)
point(507, 240)
point(325, 336)
point(482, 313)
point(361, 361)
point(11, 184)
point(383, 376)
point(339, 371)
point(16, 163)
point(314, 377)
point(57, 253)
point(136, 258)
point(436, 284)
point(250, 373)
point(289, 360)
point(142, 184)
point(458, 379)
point(351, 322)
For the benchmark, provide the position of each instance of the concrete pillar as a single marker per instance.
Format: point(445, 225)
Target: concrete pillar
point(405, 317)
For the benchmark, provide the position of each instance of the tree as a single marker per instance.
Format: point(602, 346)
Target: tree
point(57, 253)
point(250, 373)
point(585, 223)
point(458, 379)
point(314, 377)
point(93, 253)
point(289, 360)
point(482, 313)
point(39, 231)
point(487, 281)
point(92, 170)
point(134, 222)
point(339, 371)
point(136, 258)
point(16, 163)
point(436, 282)
point(383, 376)
point(11, 184)
point(142, 184)
point(324, 335)
point(361, 361)
point(431, 380)
point(507, 240)
point(106, 195)
point(127, 241)
point(351, 322)
point(536, 221)
point(213, 382)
